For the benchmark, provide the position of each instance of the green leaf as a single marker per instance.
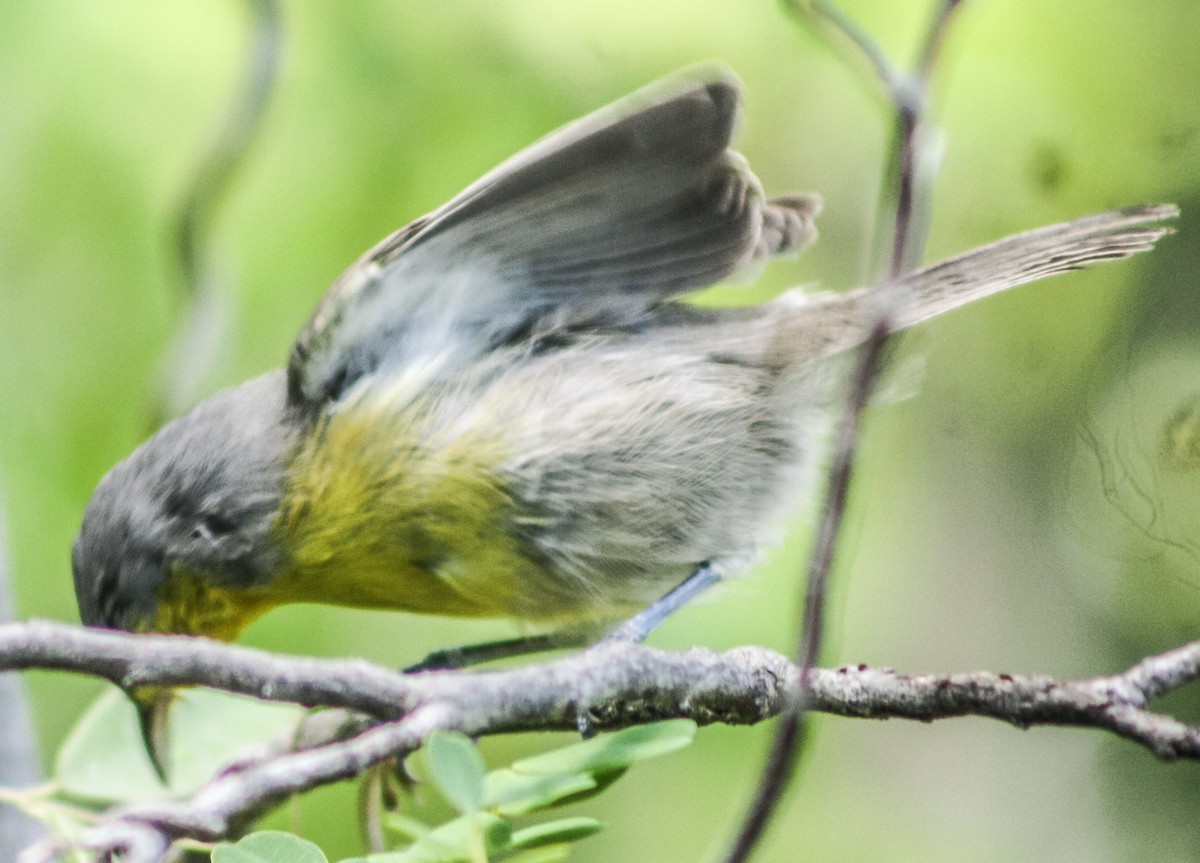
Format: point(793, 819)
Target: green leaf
point(457, 769)
point(551, 779)
point(453, 841)
point(549, 854)
point(510, 793)
point(412, 828)
point(613, 752)
point(602, 780)
point(558, 832)
point(269, 846)
point(103, 757)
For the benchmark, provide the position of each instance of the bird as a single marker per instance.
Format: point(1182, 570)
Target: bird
point(508, 408)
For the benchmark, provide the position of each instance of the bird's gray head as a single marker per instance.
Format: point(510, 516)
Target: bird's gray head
point(187, 516)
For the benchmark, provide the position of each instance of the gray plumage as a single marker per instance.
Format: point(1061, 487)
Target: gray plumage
point(203, 491)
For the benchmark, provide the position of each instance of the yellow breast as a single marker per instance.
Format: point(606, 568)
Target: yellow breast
point(386, 509)
point(191, 603)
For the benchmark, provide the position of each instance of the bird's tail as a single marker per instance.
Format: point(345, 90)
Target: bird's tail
point(821, 326)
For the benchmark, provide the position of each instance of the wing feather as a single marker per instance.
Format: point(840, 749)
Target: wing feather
point(617, 212)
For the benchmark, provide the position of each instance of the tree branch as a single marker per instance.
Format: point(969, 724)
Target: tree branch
point(619, 684)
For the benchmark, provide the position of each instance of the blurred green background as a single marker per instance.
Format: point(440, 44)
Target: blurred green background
point(1021, 514)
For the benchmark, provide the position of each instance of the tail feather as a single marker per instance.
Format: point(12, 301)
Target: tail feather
point(831, 323)
point(787, 225)
point(1031, 256)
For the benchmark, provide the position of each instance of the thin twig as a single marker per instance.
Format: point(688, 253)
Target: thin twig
point(909, 96)
point(788, 741)
point(192, 346)
point(228, 149)
point(914, 176)
point(932, 47)
point(842, 27)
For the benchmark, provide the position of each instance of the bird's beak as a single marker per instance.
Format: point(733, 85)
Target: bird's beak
point(153, 705)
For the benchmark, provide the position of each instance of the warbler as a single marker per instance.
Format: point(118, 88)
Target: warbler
point(504, 409)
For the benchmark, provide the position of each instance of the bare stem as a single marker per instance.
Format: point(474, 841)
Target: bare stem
point(915, 173)
point(195, 342)
point(228, 149)
point(914, 180)
point(788, 743)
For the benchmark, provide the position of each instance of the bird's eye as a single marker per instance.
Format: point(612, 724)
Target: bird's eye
point(337, 384)
point(212, 526)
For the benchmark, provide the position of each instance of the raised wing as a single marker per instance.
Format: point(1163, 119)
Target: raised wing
point(636, 203)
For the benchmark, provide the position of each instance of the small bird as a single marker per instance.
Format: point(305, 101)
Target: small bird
point(505, 410)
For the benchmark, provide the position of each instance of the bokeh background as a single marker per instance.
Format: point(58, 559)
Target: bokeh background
point(1035, 508)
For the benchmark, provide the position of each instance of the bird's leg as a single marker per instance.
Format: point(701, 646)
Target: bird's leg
point(467, 655)
point(638, 627)
point(634, 630)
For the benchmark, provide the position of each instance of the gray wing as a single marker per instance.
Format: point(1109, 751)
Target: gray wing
point(636, 203)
